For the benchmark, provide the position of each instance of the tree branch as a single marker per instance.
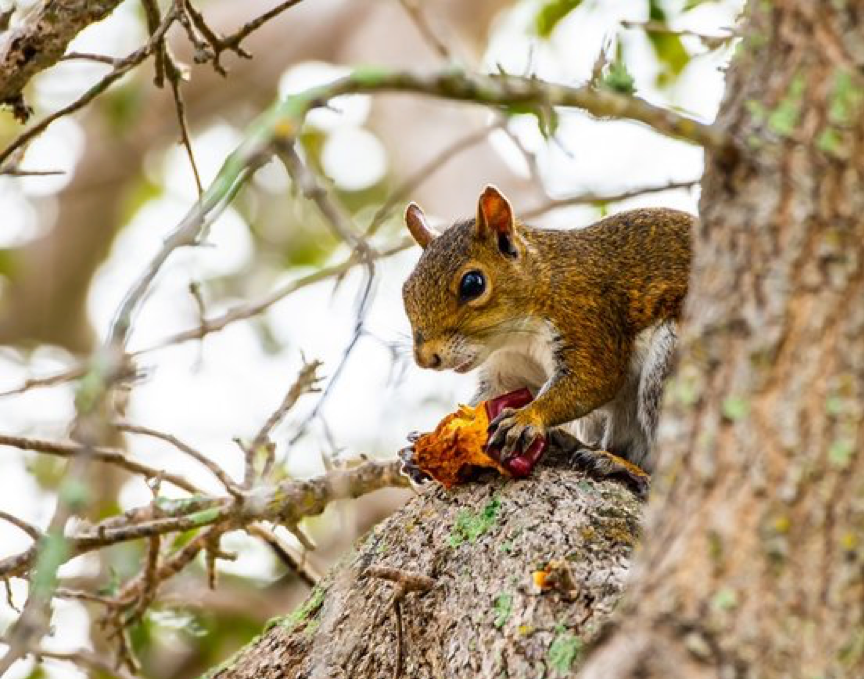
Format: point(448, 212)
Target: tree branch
point(39, 42)
point(286, 503)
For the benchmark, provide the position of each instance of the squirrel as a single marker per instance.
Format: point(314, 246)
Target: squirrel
point(585, 318)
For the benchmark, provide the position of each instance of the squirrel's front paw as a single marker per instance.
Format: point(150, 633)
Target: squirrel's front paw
point(513, 432)
point(409, 466)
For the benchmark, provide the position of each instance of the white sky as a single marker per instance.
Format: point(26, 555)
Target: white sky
point(207, 396)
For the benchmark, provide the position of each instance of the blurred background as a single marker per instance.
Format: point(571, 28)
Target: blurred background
point(71, 244)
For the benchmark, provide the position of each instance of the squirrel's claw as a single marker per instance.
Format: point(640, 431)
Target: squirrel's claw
point(512, 433)
point(409, 467)
point(605, 465)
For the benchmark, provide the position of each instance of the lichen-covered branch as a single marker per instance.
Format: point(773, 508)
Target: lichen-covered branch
point(494, 578)
point(286, 503)
point(40, 41)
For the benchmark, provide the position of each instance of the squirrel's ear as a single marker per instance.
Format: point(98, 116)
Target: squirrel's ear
point(415, 220)
point(495, 219)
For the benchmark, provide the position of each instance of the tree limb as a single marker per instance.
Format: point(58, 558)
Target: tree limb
point(40, 41)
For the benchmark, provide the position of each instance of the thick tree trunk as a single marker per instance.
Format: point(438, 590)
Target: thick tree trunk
point(754, 547)
point(753, 558)
point(484, 616)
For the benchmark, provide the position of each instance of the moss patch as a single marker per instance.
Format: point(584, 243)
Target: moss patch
point(470, 525)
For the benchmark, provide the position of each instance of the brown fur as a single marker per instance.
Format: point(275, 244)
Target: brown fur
point(595, 288)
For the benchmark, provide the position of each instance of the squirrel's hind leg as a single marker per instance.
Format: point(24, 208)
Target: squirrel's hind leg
point(601, 463)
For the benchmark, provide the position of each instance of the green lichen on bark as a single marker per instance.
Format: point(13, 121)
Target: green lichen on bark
point(484, 616)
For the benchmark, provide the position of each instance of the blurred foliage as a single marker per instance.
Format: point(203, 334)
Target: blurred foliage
point(289, 235)
point(670, 50)
point(551, 14)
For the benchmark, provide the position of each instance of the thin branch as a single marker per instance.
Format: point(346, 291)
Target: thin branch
point(185, 448)
point(287, 503)
point(600, 198)
point(49, 381)
point(113, 456)
point(123, 67)
point(151, 14)
point(30, 529)
point(219, 44)
point(175, 76)
point(18, 172)
point(86, 56)
point(415, 12)
point(39, 42)
point(711, 41)
point(410, 183)
point(408, 581)
point(313, 189)
point(506, 91)
point(300, 566)
point(236, 169)
point(304, 383)
point(83, 658)
point(252, 309)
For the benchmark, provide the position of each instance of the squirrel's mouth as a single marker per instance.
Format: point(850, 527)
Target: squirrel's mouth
point(465, 366)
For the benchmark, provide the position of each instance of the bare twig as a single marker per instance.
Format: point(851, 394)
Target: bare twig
point(418, 17)
point(40, 40)
point(151, 13)
point(601, 198)
point(252, 309)
point(405, 582)
point(49, 381)
point(122, 68)
point(286, 503)
point(304, 383)
point(711, 41)
point(408, 581)
point(175, 77)
point(30, 529)
point(185, 448)
point(235, 171)
point(82, 658)
point(304, 570)
point(113, 456)
point(219, 44)
point(410, 183)
point(18, 172)
point(337, 218)
point(86, 56)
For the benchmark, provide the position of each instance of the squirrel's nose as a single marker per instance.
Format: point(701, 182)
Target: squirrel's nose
point(427, 358)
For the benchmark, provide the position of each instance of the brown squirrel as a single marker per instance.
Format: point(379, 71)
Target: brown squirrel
point(585, 318)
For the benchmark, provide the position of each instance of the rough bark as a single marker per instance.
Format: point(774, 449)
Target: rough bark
point(753, 563)
point(484, 616)
point(40, 40)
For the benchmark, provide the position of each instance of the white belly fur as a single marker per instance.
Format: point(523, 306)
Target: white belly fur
point(624, 425)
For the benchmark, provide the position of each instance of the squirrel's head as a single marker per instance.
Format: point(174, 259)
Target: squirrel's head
point(469, 291)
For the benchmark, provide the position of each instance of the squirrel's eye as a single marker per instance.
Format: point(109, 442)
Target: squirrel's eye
point(471, 286)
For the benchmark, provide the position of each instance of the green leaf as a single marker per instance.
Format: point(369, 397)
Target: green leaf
point(551, 14)
point(672, 55)
point(668, 47)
